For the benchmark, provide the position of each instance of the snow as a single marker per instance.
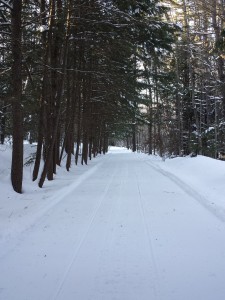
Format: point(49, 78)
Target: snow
point(43, 28)
point(127, 226)
point(6, 4)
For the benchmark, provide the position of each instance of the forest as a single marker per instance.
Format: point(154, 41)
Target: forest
point(78, 76)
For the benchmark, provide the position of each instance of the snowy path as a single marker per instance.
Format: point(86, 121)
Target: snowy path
point(126, 232)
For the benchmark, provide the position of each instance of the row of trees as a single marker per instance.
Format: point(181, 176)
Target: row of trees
point(75, 73)
point(89, 72)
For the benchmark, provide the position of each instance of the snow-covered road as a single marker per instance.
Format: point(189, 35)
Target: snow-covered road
point(127, 231)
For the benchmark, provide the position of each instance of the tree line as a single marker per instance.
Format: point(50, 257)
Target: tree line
point(188, 110)
point(78, 75)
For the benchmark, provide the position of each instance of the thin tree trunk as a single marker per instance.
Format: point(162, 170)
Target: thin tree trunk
point(220, 59)
point(39, 146)
point(42, 113)
point(2, 124)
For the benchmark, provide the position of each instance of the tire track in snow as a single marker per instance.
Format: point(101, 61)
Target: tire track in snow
point(147, 229)
point(216, 211)
point(83, 238)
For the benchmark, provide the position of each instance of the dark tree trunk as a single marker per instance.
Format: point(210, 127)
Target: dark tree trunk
point(42, 113)
point(2, 124)
point(17, 151)
point(84, 158)
point(39, 146)
point(49, 163)
point(78, 123)
point(150, 138)
point(134, 147)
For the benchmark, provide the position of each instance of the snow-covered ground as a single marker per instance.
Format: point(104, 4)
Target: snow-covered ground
point(127, 227)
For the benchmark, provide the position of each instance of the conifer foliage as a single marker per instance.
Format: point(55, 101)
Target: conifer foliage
point(74, 74)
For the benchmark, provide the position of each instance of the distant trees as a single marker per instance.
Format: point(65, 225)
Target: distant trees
point(5, 64)
point(187, 110)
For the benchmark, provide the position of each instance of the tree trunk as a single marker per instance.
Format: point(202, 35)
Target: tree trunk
point(42, 113)
point(2, 124)
point(39, 146)
point(220, 59)
point(134, 147)
point(49, 167)
point(17, 151)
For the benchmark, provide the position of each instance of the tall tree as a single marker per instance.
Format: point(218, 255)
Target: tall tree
point(16, 98)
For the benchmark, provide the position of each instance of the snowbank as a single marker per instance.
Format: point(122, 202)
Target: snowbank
point(19, 211)
point(202, 177)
